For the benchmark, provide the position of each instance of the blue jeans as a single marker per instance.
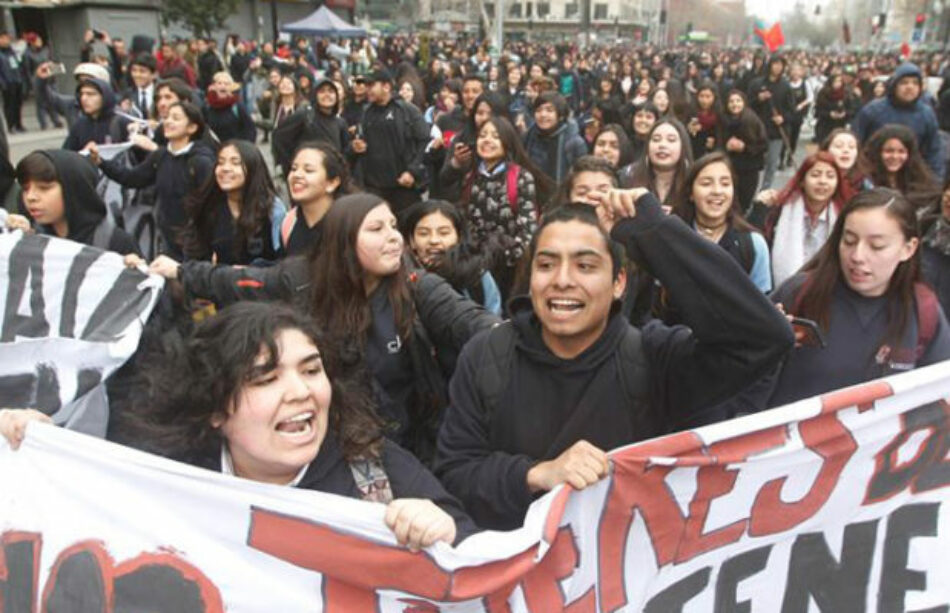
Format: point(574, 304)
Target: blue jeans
point(772, 157)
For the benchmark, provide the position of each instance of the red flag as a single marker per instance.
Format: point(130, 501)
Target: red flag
point(774, 38)
point(905, 50)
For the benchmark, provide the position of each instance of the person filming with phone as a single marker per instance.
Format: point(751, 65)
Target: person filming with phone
point(863, 291)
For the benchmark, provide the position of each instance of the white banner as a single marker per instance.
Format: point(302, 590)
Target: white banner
point(830, 504)
point(72, 314)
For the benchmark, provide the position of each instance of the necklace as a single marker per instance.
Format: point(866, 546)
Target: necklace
point(713, 233)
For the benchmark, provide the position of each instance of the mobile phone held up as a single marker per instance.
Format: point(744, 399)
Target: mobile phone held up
point(57, 68)
point(807, 332)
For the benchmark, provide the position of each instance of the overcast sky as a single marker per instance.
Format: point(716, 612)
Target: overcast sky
point(770, 10)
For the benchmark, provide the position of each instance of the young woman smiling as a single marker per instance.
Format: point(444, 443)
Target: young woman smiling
point(235, 216)
point(712, 208)
point(405, 329)
point(438, 236)
point(664, 169)
point(863, 288)
point(894, 160)
point(843, 145)
point(175, 170)
point(500, 199)
point(798, 220)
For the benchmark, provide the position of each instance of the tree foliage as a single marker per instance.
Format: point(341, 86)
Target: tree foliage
point(202, 17)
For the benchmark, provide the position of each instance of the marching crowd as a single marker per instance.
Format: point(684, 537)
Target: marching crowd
point(466, 279)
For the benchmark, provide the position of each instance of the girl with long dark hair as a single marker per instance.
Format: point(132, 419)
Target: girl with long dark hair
point(843, 145)
point(705, 125)
point(893, 160)
point(863, 288)
point(745, 140)
point(406, 327)
point(235, 216)
point(663, 170)
point(712, 208)
point(176, 169)
point(500, 196)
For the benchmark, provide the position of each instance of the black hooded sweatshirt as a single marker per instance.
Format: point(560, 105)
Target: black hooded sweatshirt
point(732, 337)
point(85, 211)
point(105, 128)
point(174, 176)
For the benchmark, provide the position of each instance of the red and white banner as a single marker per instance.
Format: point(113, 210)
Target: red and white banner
point(830, 504)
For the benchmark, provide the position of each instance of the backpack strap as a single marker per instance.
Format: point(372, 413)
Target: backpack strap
point(511, 183)
point(746, 250)
point(371, 480)
point(635, 384)
point(103, 234)
point(287, 226)
point(928, 316)
point(494, 372)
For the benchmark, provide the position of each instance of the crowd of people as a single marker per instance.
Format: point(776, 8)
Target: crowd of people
point(492, 271)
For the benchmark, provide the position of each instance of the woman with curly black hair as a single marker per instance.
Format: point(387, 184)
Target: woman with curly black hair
point(894, 160)
point(256, 392)
point(235, 216)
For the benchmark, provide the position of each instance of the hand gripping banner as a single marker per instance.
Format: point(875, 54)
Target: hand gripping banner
point(72, 315)
point(831, 504)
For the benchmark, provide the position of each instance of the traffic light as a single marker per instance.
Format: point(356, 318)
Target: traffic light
point(920, 20)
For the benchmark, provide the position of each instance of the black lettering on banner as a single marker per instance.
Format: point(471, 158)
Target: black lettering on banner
point(26, 261)
point(835, 586)
point(36, 390)
point(122, 305)
point(674, 597)
point(77, 579)
point(157, 588)
point(18, 563)
point(928, 469)
point(77, 274)
point(732, 572)
point(904, 524)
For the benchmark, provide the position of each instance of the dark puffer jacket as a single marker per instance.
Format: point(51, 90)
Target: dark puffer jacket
point(918, 116)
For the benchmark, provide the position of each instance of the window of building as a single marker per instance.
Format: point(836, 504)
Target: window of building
point(600, 11)
point(571, 10)
point(515, 10)
point(544, 9)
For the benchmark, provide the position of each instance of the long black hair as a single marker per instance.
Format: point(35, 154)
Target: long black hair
point(192, 380)
point(203, 205)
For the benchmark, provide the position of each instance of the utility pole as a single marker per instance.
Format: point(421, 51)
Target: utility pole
point(499, 25)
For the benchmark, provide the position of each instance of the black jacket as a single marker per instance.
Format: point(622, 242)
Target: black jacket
point(444, 322)
point(307, 124)
point(230, 122)
point(782, 103)
point(173, 176)
point(85, 211)
point(733, 337)
point(396, 137)
point(105, 128)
